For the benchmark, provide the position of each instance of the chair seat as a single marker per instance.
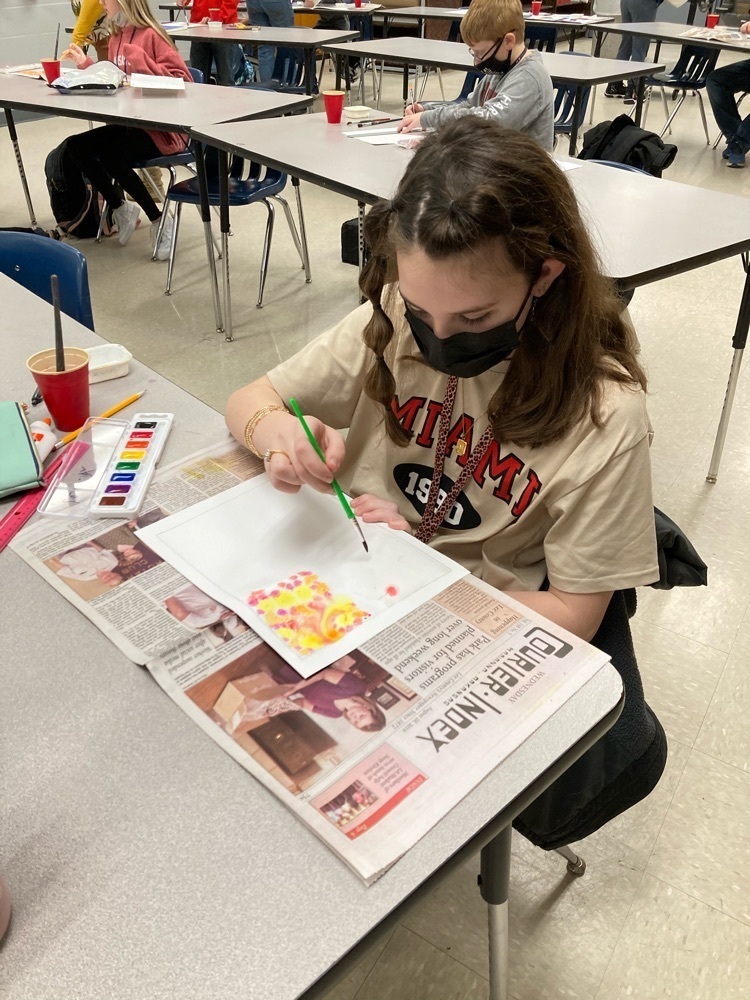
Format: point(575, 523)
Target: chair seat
point(240, 192)
point(178, 160)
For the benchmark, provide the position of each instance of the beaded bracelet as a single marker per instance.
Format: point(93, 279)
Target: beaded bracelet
point(254, 421)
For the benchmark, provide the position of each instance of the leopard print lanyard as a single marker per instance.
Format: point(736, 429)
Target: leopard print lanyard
point(433, 516)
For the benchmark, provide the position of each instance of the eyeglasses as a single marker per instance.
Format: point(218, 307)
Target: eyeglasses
point(490, 52)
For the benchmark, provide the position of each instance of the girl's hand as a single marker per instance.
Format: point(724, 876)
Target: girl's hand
point(411, 122)
point(295, 462)
point(76, 53)
point(413, 109)
point(374, 510)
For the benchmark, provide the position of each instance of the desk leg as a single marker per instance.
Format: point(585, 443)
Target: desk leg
point(304, 252)
point(19, 162)
point(599, 42)
point(338, 72)
point(494, 878)
point(224, 221)
point(309, 57)
point(576, 118)
point(640, 93)
point(200, 166)
point(738, 343)
point(405, 86)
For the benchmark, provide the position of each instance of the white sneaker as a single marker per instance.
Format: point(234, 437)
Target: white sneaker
point(165, 243)
point(126, 217)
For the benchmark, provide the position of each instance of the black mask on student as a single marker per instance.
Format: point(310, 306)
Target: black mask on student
point(466, 354)
point(492, 65)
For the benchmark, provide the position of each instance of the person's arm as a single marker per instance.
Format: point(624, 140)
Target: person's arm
point(162, 59)
point(91, 11)
point(295, 461)
point(438, 113)
point(79, 57)
point(580, 614)
point(228, 13)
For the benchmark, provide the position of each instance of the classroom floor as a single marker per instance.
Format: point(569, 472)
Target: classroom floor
point(664, 907)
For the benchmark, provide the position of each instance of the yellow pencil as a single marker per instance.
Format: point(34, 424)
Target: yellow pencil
point(102, 416)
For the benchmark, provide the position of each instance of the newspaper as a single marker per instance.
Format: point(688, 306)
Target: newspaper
point(369, 753)
point(717, 34)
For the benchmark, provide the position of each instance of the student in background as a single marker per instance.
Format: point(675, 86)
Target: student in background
point(336, 20)
point(91, 27)
point(633, 47)
point(269, 13)
point(106, 155)
point(204, 54)
point(516, 90)
point(722, 86)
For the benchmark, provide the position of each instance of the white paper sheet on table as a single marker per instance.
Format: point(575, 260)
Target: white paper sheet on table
point(252, 537)
point(148, 82)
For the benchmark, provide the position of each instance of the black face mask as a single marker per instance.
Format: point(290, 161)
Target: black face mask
point(492, 65)
point(466, 354)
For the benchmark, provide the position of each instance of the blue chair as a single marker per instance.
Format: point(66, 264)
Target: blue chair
point(288, 71)
point(564, 106)
point(541, 36)
point(31, 260)
point(247, 186)
point(622, 166)
point(184, 159)
point(687, 77)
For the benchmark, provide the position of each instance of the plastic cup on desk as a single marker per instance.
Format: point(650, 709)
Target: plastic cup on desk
point(51, 69)
point(712, 20)
point(214, 19)
point(66, 393)
point(334, 105)
point(357, 4)
point(536, 7)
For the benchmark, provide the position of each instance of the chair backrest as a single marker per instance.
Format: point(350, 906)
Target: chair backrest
point(565, 95)
point(470, 81)
point(31, 260)
point(288, 67)
point(540, 36)
point(622, 166)
point(693, 66)
point(196, 74)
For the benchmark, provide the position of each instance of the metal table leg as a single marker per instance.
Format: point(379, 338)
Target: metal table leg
point(494, 879)
point(640, 92)
point(19, 163)
point(738, 343)
point(224, 222)
point(205, 210)
point(576, 117)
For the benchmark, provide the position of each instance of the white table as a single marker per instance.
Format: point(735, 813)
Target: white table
point(143, 863)
point(577, 70)
point(664, 31)
point(695, 226)
point(309, 40)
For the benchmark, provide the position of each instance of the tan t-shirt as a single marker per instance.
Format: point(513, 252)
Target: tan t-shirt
point(579, 511)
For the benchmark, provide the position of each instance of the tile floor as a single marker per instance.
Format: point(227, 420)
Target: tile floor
point(664, 908)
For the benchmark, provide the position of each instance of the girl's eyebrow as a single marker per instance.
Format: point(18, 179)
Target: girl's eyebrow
point(461, 312)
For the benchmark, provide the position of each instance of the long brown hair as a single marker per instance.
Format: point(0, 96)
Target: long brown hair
point(472, 182)
point(139, 14)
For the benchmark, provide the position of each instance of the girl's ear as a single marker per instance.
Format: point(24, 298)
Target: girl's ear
point(551, 270)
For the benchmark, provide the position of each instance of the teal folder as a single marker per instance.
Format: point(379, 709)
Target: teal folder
point(20, 468)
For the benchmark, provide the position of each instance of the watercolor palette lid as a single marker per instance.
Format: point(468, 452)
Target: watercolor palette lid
point(72, 490)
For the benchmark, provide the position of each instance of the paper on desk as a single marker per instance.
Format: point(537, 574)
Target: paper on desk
point(147, 82)
point(294, 569)
point(389, 136)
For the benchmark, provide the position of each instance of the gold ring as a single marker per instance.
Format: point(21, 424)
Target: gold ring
point(275, 451)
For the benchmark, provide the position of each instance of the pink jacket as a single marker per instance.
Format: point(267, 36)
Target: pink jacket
point(143, 50)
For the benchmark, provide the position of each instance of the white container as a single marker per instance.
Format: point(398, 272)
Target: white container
point(215, 25)
point(357, 113)
point(108, 361)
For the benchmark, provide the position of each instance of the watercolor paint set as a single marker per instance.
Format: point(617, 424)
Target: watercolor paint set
point(107, 470)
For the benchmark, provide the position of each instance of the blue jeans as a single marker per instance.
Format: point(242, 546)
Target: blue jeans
point(635, 47)
point(271, 13)
point(226, 57)
point(721, 86)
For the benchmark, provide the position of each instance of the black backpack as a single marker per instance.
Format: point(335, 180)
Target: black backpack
point(623, 142)
point(74, 202)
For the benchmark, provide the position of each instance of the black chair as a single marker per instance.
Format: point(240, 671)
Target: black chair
point(541, 36)
point(564, 108)
point(688, 77)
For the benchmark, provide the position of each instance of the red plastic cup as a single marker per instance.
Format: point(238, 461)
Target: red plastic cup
point(536, 7)
point(51, 69)
point(334, 105)
point(358, 3)
point(712, 20)
point(66, 394)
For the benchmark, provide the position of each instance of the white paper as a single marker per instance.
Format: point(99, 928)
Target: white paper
point(253, 538)
point(147, 82)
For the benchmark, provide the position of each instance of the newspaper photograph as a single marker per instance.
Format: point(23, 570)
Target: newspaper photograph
point(371, 751)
